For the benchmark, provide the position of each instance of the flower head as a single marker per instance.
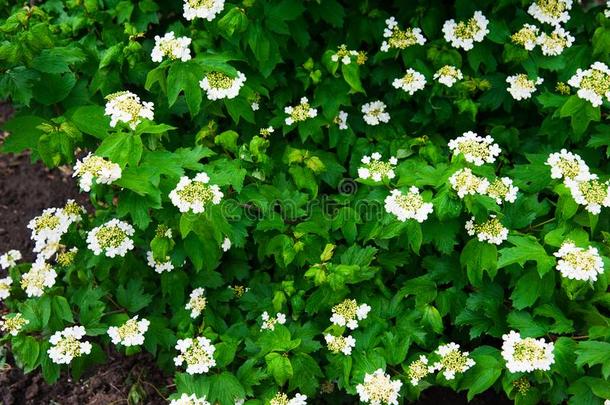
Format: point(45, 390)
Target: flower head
point(343, 54)
point(578, 263)
point(400, 39)
point(112, 238)
point(171, 47)
point(490, 231)
point(411, 82)
point(418, 370)
point(376, 169)
point(10, 259)
point(226, 244)
point(502, 189)
point(526, 354)
point(521, 87)
point(593, 84)
point(466, 183)
point(341, 120)
point(192, 399)
point(131, 333)
point(374, 113)
point(265, 132)
point(465, 34)
point(218, 85)
point(197, 302)
point(159, 265)
point(340, 344)
point(378, 388)
point(124, 106)
point(527, 36)
point(5, 287)
point(66, 258)
point(67, 344)
point(47, 230)
point(300, 112)
point(206, 9)
point(198, 354)
point(476, 149)
point(554, 44)
point(568, 165)
point(592, 193)
point(348, 313)
point(95, 167)
point(13, 323)
point(270, 322)
point(194, 194)
point(448, 75)
point(554, 12)
point(39, 277)
point(408, 206)
point(282, 399)
point(451, 361)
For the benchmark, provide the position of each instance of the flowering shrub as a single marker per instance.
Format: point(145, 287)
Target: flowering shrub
point(317, 201)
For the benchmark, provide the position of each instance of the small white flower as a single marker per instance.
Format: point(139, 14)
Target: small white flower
point(131, 333)
point(218, 85)
point(171, 47)
point(465, 34)
point(40, 276)
point(341, 120)
point(554, 44)
point(490, 231)
point(408, 206)
point(448, 75)
point(192, 399)
point(527, 36)
point(568, 165)
point(344, 55)
point(378, 388)
point(159, 265)
point(10, 259)
point(576, 263)
point(194, 194)
point(282, 399)
point(502, 189)
point(206, 9)
point(125, 106)
point(376, 169)
point(5, 287)
point(374, 113)
point(466, 183)
point(198, 354)
point(593, 84)
point(13, 323)
point(340, 344)
point(95, 168)
point(418, 370)
point(592, 193)
point(348, 313)
point(400, 39)
point(554, 12)
point(476, 149)
point(226, 244)
point(269, 322)
point(254, 105)
point(521, 87)
point(451, 361)
point(300, 112)
point(197, 302)
point(411, 82)
point(67, 344)
point(526, 354)
point(112, 238)
point(47, 230)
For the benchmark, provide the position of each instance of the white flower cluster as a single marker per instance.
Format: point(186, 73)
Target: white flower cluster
point(607, 14)
point(10, 259)
point(171, 47)
point(67, 344)
point(300, 112)
point(125, 106)
point(282, 399)
point(400, 39)
point(192, 399)
point(50, 226)
point(218, 85)
point(341, 120)
point(490, 231)
point(12, 324)
point(340, 344)
point(194, 194)
point(568, 165)
point(95, 167)
point(206, 9)
point(521, 87)
point(40, 276)
point(466, 183)
point(131, 333)
point(5, 287)
point(554, 12)
point(159, 265)
point(451, 361)
point(527, 36)
point(408, 206)
point(270, 322)
point(374, 113)
point(465, 34)
point(197, 302)
point(418, 370)
point(476, 149)
point(378, 388)
point(593, 84)
point(198, 354)
point(526, 354)
point(411, 82)
point(112, 238)
point(349, 313)
point(376, 169)
point(578, 263)
point(502, 189)
point(344, 55)
point(593, 193)
point(556, 42)
point(448, 75)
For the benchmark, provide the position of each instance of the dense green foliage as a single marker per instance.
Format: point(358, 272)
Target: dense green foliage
point(305, 235)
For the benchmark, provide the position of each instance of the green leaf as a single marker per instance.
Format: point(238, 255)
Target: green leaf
point(24, 134)
point(91, 120)
point(279, 366)
point(307, 374)
point(527, 290)
point(121, 148)
point(58, 59)
point(479, 257)
point(26, 350)
point(184, 77)
point(351, 74)
point(592, 353)
point(581, 113)
point(132, 297)
point(486, 371)
point(526, 248)
point(225, 388)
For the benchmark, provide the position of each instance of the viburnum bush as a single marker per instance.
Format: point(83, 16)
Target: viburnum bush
point(317, 201)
